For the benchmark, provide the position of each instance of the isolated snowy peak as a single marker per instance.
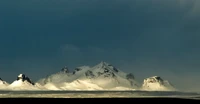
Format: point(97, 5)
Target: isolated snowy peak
point(23, 77)
point(153, 79)
point(157, 83)
point(24, 83)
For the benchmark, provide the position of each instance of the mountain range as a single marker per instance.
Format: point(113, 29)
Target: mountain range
point(102, 76)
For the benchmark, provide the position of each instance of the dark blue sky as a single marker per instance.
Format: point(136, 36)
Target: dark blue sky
point(145, 37)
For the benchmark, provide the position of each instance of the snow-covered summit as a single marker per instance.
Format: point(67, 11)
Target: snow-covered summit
point(157, 83)
point(103, 69)
point(104, 65)
point(23, 83)
point(103, 75)
point(24, 78)
point(108, 76)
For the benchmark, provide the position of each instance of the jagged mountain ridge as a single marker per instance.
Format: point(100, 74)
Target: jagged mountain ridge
point(63, 75)
point(103, 75)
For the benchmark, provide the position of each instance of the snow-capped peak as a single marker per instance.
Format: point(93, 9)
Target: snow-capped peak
point(23, 77)
point(156, 83)
point(102, 69)
point(23, 83)
point(102, 64)
point(154, 79)
point(106, 66)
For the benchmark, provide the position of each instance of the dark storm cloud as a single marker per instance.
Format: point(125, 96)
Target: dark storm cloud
point(145, 37)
